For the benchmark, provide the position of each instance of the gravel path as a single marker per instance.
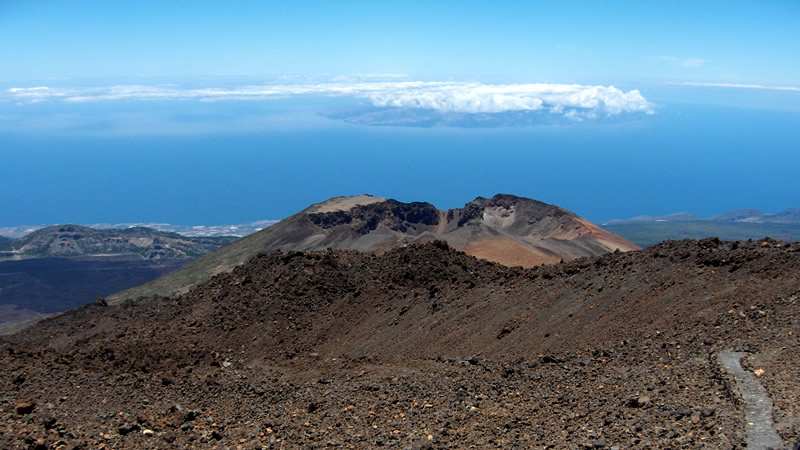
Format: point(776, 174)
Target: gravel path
point(758, 413)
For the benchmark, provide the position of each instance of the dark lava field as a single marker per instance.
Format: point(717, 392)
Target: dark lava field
point(422, 347)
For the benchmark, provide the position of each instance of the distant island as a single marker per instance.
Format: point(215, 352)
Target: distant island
point(740, 224)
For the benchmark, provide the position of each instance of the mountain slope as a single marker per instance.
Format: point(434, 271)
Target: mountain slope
point(423, 345)
point(447, 302)
point(506, 229)
point(140, 243)
point(5, 243)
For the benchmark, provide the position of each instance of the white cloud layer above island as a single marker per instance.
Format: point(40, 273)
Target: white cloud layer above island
point(570, 100)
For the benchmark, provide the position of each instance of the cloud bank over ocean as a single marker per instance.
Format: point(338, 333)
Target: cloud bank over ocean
point(569, 100)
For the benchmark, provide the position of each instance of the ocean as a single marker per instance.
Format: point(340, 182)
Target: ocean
point(235, 162)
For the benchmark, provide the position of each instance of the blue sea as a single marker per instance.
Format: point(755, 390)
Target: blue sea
point(235, 162)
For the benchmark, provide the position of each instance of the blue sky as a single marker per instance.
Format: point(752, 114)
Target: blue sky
point(206, 112)
point(559, 42)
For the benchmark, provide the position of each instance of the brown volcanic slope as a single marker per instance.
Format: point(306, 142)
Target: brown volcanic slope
point(511, 230)
point(421, 347)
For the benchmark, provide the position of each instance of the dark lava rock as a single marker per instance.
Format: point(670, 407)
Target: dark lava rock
point(128, 428)
point(639, 401)
point(49, 422)
point(25, 407)
point(547, 359)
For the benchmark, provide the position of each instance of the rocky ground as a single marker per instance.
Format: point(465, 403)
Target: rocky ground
point(423, 347)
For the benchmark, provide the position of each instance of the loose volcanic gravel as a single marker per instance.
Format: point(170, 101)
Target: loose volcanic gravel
point(422, 347)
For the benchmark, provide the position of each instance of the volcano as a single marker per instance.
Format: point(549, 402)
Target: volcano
point(510, 230)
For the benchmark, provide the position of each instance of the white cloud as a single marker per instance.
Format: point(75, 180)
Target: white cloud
point(480, 98)
point(571, 100)
point(34, 94)
point(743, 86)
